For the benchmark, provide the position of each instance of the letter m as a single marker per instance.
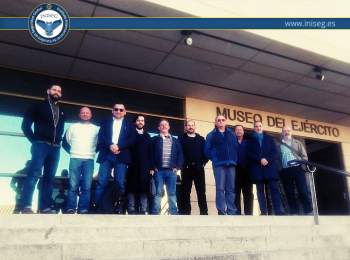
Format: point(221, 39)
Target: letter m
point(223, 113)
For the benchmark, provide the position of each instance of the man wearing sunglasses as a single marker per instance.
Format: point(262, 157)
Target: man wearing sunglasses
point(221, 148)
point(115, 138)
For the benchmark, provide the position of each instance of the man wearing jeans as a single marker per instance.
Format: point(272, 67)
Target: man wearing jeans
point(115, 138)
point(48, 121)
point(167, 159)
point(221, 148)
point(80, 141)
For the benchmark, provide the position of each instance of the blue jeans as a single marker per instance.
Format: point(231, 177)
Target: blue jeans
point(167, 177)
point(275, 196)
point(104, 173)
point(47, 156)
point(225, 190)
point(80, 179)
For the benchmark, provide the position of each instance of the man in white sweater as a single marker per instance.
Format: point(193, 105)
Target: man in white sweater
point(80, 142)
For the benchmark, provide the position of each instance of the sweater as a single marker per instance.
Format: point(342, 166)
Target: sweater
point(82, 140)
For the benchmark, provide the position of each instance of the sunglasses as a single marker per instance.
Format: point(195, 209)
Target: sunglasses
point(118, 109)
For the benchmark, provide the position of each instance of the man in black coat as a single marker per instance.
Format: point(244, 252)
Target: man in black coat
point(193, 170)
point(138, 178)
point(48, 121)
point(243, 182)
point(262, 156)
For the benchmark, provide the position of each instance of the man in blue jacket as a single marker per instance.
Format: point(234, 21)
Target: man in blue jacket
point(221, 148)
point(48, 121)
point(167, 159)
point(115, 138)
point(262, 156)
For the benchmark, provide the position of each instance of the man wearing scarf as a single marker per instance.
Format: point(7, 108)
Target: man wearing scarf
point(262, 155)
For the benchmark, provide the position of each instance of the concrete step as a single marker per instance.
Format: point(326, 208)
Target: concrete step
point(170, 249)
point(170, 237)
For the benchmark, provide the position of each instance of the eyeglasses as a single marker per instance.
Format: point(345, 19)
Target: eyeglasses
point(221, 120)
point(118, 109)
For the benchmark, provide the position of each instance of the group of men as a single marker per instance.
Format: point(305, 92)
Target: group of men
point(140, 163)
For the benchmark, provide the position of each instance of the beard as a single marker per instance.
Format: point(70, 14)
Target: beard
point(54, 98)
point(139, 127)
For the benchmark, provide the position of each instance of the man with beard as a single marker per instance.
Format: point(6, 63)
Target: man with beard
point(48, 121)
point(193, 171)
point(293, 177)
point(138, 179)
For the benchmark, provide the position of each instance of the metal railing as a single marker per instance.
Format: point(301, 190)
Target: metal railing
point(311, 169)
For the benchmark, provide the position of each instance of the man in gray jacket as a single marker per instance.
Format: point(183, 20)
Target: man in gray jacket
point(294, 176)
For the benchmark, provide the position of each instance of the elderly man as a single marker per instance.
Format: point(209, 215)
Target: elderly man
point(221, 148)
point(293, 177)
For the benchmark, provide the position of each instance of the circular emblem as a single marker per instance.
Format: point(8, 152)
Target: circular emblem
point(49, 24)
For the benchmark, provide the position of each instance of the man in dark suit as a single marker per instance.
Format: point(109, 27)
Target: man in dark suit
point(115, 138)
point(262, 155)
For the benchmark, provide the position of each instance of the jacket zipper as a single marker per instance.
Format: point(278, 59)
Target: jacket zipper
point(53, 120)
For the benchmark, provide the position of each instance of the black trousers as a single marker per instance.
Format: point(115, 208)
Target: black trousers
point(244, 186)
point(189, 175)
point(293, 178)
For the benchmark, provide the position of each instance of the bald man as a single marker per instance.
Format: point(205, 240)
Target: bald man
point(80, 142)
point(293, 177)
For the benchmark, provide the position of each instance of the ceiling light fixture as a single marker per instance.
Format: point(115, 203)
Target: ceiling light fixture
point(319, 73)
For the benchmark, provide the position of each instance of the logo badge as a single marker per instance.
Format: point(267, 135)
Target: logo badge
point(49, 24)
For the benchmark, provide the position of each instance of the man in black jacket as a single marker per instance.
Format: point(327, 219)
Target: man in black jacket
point(193, 170)
point(138, 178)
point(48, 121)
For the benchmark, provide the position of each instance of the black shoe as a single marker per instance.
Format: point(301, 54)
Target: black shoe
point(48, 211)
point(70, 211)
point(16, 211)
point(27, 211)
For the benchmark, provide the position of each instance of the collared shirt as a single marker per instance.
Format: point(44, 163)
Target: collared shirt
point(117, 126)
point(167, 142)
point(286, 153)
point(139, 131)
